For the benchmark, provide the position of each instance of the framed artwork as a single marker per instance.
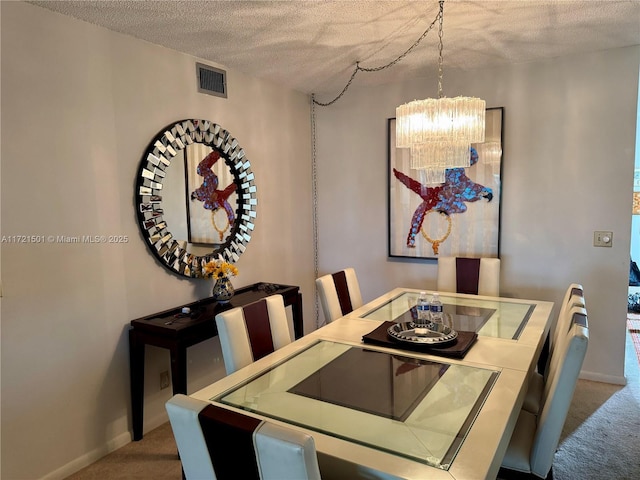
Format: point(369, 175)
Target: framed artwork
point(211, 195)
point(458, 218)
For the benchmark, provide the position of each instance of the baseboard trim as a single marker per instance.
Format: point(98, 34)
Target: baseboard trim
point(96, 454)
point(89, 458)
point(599, 377)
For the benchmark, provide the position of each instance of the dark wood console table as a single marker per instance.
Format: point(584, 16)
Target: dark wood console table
point(176, 332)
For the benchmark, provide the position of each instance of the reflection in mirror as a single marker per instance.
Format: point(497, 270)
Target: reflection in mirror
point(211, 196)
point(204, 206)
point(200, 199)
point(173, 194)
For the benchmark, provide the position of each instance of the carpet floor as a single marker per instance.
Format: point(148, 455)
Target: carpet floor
point(600, 438)
point(155, 457)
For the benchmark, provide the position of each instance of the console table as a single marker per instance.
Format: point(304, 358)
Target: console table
point(176, 331)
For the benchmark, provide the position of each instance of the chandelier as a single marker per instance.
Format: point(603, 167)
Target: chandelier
point(439, 132)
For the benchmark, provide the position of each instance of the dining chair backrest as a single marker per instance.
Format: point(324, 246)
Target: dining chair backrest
point(183, 414)
point(253, 331)
point(339, 293)
point(215, 443)
point(539, 381)
point(574, 296)
point(285, 453)
point(477, 276)
point(536, 437)
point(575, 314)
point(558, 394)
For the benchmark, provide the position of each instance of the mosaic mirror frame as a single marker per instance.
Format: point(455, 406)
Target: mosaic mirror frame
point(152, 171)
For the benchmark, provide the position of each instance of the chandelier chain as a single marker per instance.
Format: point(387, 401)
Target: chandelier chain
point(314, 102)
point(314, 189)
point(344, 90)
point(440, 47)
point(358, 68)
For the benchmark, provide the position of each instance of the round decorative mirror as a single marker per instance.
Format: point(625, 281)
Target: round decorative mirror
point(195, 196)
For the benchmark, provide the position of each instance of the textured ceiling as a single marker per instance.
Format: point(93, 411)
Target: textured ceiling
point(313, 46)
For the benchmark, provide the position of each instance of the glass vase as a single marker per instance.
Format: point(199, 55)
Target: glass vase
point(222, 290)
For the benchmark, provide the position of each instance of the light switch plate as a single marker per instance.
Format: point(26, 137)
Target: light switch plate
point(602, 239)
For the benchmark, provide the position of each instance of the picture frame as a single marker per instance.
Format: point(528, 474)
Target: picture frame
point(460, 218)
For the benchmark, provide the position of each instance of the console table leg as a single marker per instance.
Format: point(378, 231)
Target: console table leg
point(136, 366)
point(179, 369)
point(298, 323)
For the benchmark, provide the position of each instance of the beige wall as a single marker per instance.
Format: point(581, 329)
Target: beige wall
point(79, 106)
point(569, 139)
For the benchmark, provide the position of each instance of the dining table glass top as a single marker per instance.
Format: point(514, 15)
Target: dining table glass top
point(394, 402)
point(499, 318)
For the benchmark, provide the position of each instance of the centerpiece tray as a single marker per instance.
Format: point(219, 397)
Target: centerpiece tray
point(428, 334)
point(457, 348)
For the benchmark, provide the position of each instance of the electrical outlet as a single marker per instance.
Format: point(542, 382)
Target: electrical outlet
point(602, 239)
point(164, 380)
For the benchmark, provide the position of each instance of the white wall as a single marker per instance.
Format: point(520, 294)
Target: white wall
point(569, 136)
point(79, 106)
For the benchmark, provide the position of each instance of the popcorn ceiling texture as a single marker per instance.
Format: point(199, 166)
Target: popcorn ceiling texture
point(313, 46)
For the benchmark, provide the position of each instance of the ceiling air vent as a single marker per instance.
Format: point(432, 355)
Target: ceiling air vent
point(211, 80)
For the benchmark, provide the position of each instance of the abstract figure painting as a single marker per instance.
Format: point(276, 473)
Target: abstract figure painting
point(458, 218)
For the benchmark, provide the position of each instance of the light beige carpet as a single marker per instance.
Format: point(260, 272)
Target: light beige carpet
point(153, 457)
point(601, 436)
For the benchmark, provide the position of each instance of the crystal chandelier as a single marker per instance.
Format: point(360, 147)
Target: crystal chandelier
point(439, 132)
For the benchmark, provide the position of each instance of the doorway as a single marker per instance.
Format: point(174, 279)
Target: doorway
point(633, 309)
point(632, 350)
point(632, 357)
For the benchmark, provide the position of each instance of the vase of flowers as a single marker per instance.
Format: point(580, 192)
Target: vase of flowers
point(220, 271)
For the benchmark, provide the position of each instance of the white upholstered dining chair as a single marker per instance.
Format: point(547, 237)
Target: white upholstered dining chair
point(339, 293)
point(535, 437)
point(285, 453)
point(192, 447)
point(253, 331)
point(219, 444)
point(538, 381)
point(573, 297)
point(477, 276)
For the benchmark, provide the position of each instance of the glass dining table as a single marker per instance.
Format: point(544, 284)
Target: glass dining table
point(500, 318)
point(379, 411)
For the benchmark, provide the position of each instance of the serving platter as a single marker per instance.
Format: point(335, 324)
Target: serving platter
point(428, 334)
